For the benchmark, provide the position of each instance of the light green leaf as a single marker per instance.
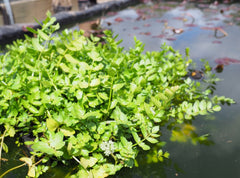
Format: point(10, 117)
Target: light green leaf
point(31, 171)
point(83, 84)
point(56, 140)
point(136, 137)
point(144, 146)
point(209, 105)
point(5, 147)
point(31, 30)
point(94, 114)
point(67, 131)
point(155, 129)
point(52, 124)
point(36, 45)
point(117, 87)
point(64, 67)
point(103, 95)
point(98, 173)
point(43, 35)
point(216, 108)
point(71, 59)
point(26, 160)
point(11, 131)
point(95, 82)
point(43, 147)
point(90, 162)
point(152, 140)
point(144, 131)
point(79, 94)
point(203, 105)
point(101, 128)
point(28, 106)
point(156, 102)
point(119, 116)
point(125, 142)
point(94, 56)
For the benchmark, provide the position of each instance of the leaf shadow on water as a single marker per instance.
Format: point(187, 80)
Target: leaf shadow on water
point(148, 163)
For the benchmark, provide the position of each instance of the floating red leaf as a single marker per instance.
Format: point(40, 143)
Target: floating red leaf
point(145, 33)
point(118, 19)
point(135, 28)
point(171, 39)
point(147, 25)
point(179, 18)
point(228, 16)
point(217, 42)
point(227, 61)
point(190, 25)
point(208, 28)
point(141, 17)
point(215, 18)
point(159, 36)
point(128, 18)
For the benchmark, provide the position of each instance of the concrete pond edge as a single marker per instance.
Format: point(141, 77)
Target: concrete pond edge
point(10, 33)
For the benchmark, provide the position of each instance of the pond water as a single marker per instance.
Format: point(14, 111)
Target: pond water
point(154, 24)
point(211, 32)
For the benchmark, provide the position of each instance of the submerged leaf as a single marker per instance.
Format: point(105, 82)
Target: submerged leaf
point(227, 61)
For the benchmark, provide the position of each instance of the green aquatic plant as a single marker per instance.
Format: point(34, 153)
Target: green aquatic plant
point(93, 106)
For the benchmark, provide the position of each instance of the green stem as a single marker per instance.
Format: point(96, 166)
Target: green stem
point(9, 170)
point(79, 163)
point(115, 158)
point(62, 57)
point(110, 96)
point(89, 74)
point(51, 81)
point(1, 147)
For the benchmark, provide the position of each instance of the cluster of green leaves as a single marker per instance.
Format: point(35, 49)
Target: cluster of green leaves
point(90, 103)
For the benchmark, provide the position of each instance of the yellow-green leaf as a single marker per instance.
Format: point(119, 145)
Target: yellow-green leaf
point(67, 131)
point(52, 124)
point(26, 160)
point(95, 82)
point(88, 162)
point(31, 171)
point(71, 59)
point(64, 67)
point(43, 35)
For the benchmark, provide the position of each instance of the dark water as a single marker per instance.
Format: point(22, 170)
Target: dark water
point(211, 32)
point(198, 23)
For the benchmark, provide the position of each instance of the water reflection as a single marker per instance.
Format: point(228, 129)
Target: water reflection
point(211, 33)
point(149, 164)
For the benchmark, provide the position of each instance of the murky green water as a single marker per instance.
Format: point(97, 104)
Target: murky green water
point(211, 32)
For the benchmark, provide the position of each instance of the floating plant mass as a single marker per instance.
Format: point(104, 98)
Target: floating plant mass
point(93, 106)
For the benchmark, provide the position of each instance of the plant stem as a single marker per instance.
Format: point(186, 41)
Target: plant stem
point(1, 146)
point(9, 170)
point(79, 163)
point(110, 95)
